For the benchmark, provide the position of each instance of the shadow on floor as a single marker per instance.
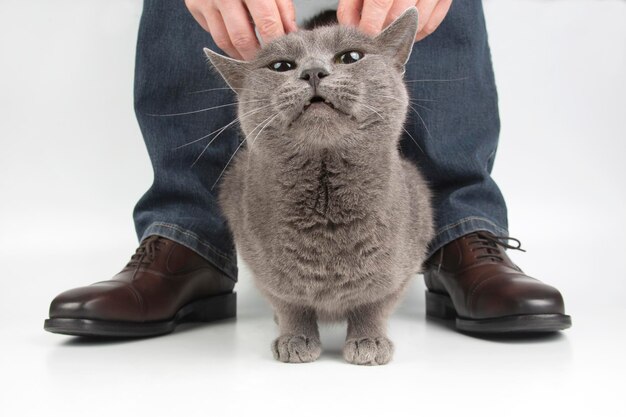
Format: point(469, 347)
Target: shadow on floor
point(508, 338)
point(182, 328)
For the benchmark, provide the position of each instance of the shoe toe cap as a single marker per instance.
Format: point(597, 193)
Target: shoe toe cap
point(108, 300)
point(517, 296)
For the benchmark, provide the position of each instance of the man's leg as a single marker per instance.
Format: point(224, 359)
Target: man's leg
point(170, 70)
point(469, 276)
point(185, 266)
point(450, 78)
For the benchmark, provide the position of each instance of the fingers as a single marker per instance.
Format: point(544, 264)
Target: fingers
point(220, 35)
point(398, 7)
point(200, 19)
point(229, 23)
point(197, 11)
point(434, 17)
point(240, 29)
point(373, 15)
point(267, 19)
point(349, 12)
point(288, 15)
point(424, 8)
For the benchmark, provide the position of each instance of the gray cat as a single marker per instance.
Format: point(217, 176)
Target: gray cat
point(332, 221)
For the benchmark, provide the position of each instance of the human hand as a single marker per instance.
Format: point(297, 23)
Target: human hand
point(371, 16)
point(229, 23)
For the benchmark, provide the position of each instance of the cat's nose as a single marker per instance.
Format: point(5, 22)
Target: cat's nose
point(313, 75)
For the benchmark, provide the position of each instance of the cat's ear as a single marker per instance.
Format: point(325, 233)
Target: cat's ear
point(232, 70)
point(397, 39)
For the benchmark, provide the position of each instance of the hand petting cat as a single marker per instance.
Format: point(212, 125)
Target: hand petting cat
point(371, 16)
point(229, 23)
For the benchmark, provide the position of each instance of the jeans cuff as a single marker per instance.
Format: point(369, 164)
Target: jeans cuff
point(462, 227)
point(223, 262)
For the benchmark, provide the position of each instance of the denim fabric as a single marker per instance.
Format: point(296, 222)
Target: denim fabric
point(450, 79)
point(459, 133)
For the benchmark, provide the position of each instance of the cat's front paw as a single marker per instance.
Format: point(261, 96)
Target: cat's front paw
point(296, 348)
point(368, 351)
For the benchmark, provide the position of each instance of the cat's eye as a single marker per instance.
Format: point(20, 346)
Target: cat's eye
point(349, 57)
point(282, 66)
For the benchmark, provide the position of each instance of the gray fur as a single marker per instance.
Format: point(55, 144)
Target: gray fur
point(332, 221)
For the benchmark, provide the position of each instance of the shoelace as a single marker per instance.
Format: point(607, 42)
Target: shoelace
point(146, 252)
point(489, 244)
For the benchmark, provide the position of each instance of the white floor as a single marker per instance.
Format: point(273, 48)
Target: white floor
point(72, 164)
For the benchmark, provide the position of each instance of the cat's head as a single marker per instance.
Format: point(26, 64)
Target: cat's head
point(327, 87)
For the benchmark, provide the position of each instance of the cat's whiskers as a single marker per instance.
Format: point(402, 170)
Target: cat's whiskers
point(226, 126)
point(421, 119)
point(410, 102)
point(242, 142)
point(207, 146)
point(407, 132)
point(413, 139)
point(372, 109)
point(423, 123)
point(420, 106)
point(224, 88)
point(263, 128)
point(434, 80)
point(207, 109)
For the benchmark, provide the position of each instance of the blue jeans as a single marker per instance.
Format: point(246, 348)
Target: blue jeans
point(449, 75)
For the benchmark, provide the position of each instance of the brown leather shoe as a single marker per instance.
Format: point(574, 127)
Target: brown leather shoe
point(473, 281)
point(164, 284)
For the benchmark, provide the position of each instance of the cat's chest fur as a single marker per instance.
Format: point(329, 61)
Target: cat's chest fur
point(327, 192)
point(320, 229)
point(327, 197)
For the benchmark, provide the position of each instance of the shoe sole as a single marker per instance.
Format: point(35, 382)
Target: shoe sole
point(205, 310)
point(441, 306)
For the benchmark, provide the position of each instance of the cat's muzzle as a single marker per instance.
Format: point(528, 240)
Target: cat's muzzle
point(318, 100)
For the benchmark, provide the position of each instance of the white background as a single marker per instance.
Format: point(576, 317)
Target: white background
point(72, 165)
